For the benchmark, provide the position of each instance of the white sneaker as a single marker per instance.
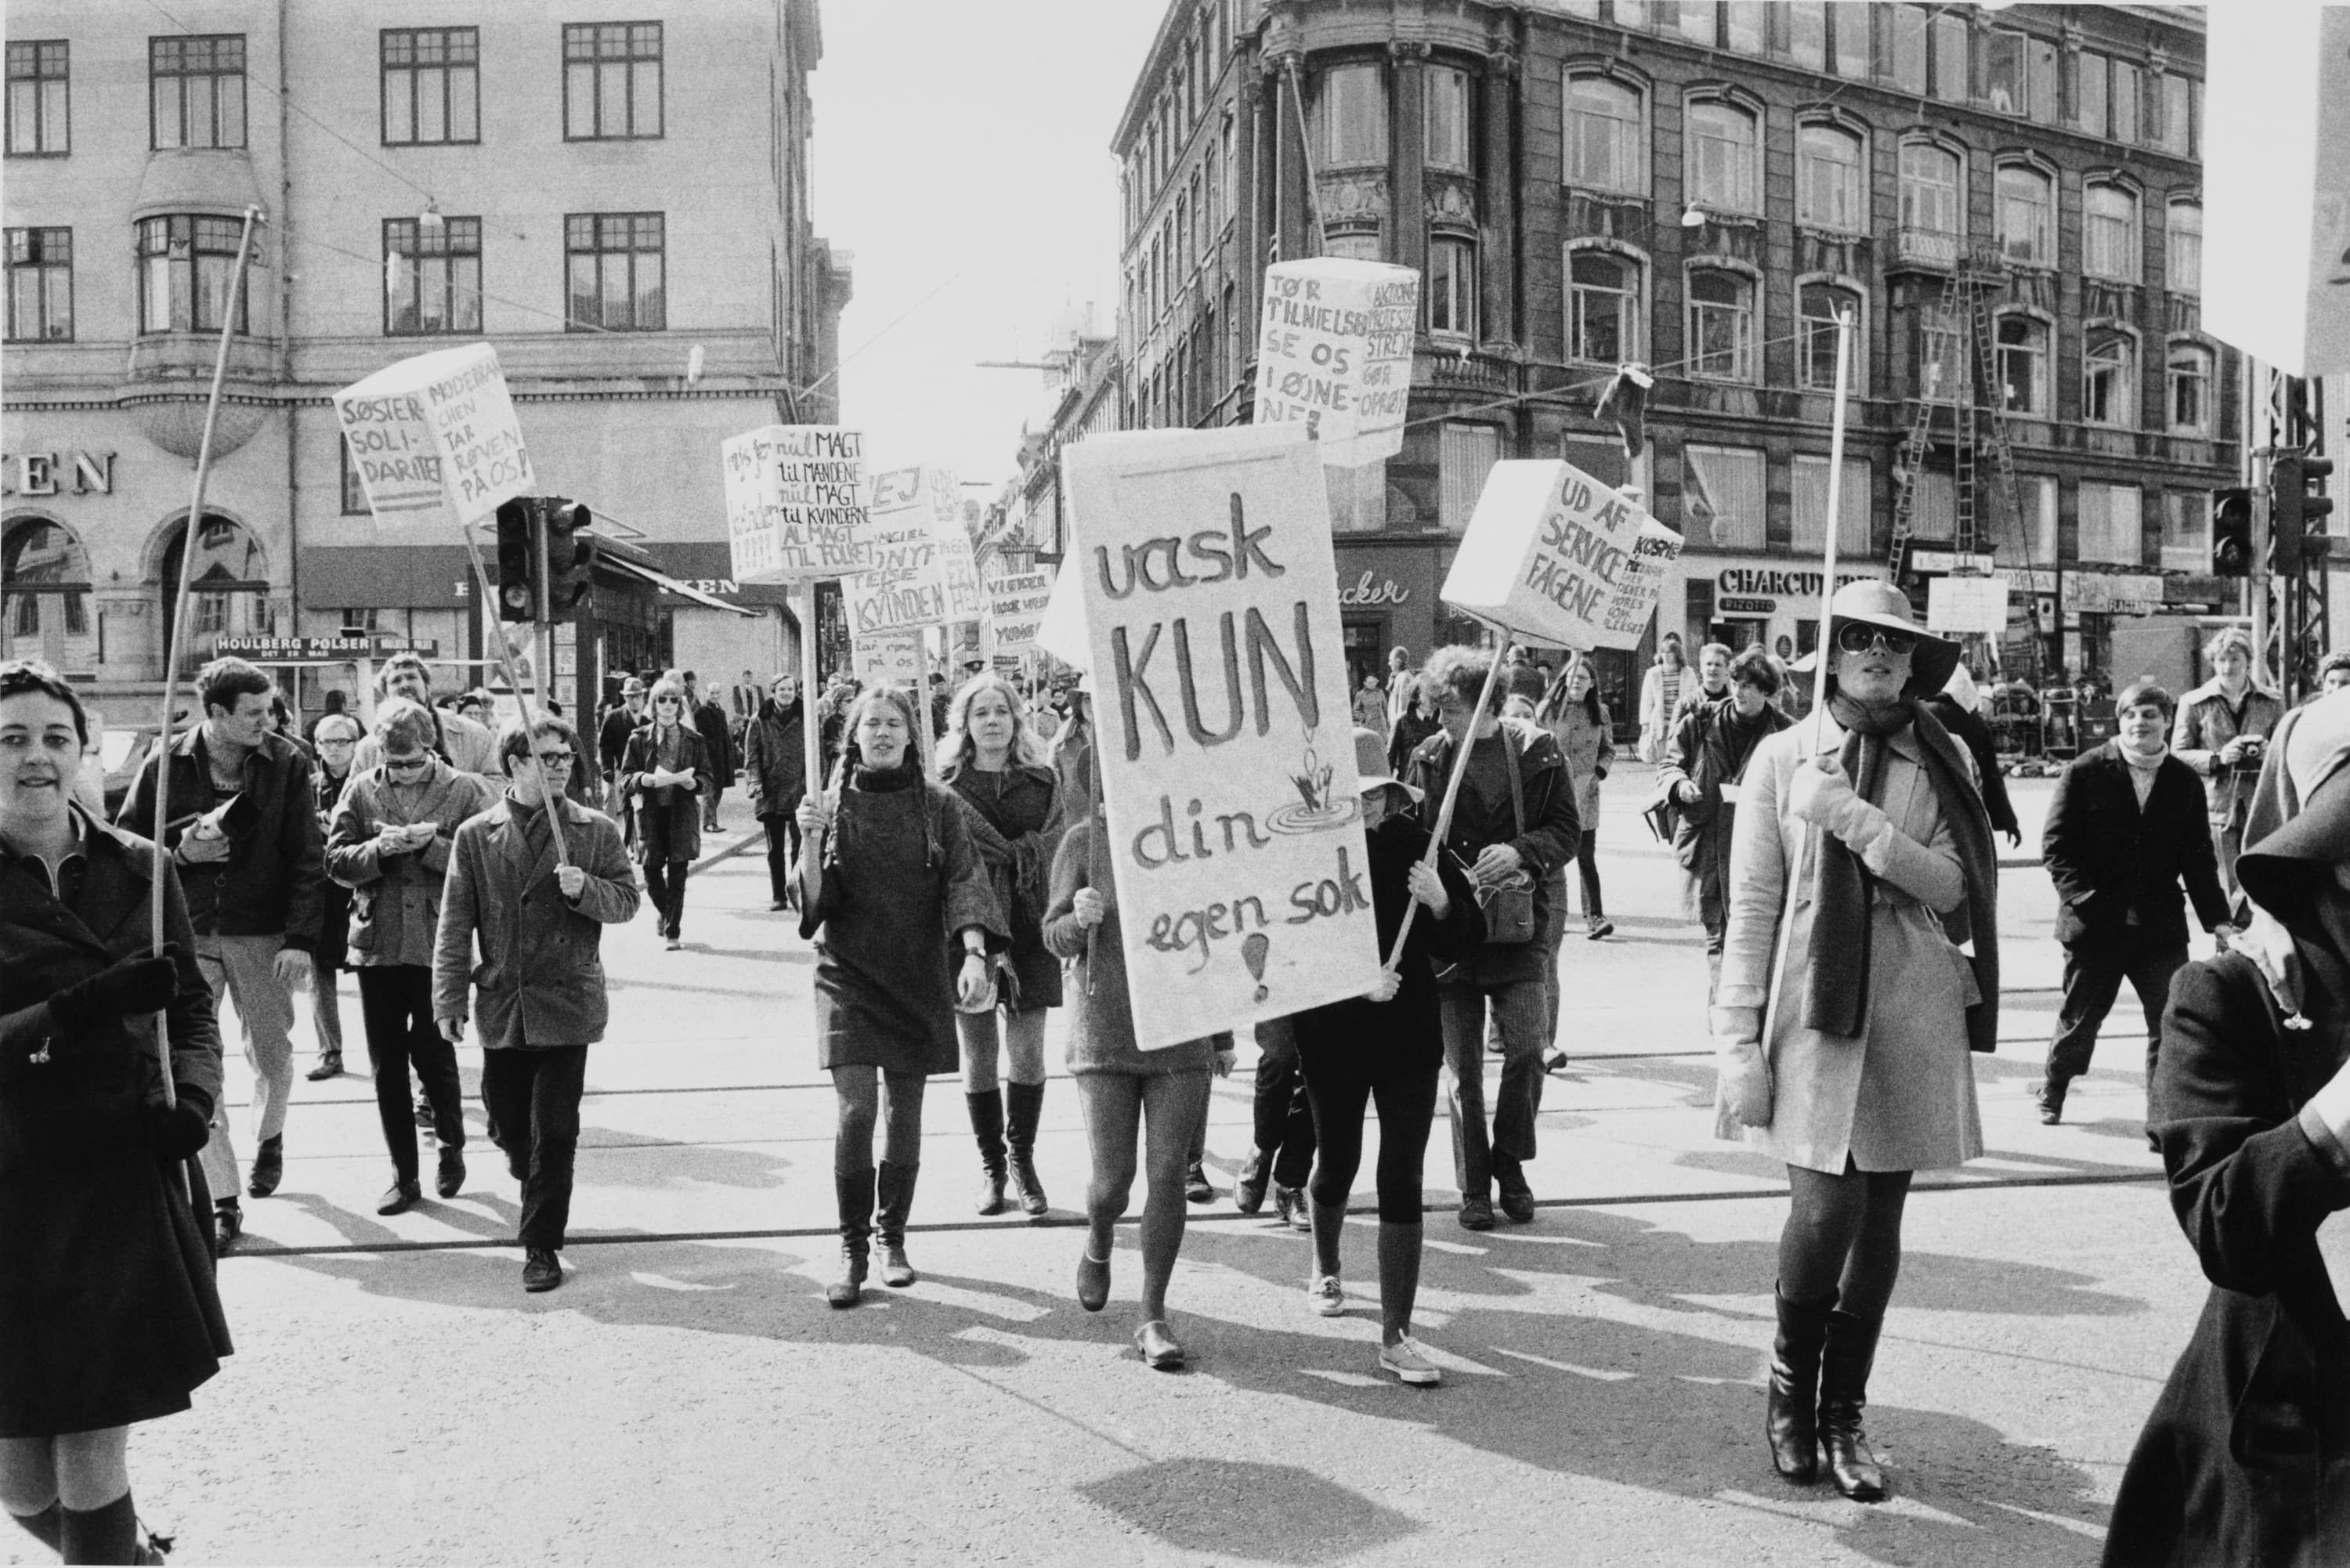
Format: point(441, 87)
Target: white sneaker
point(1323, 1295)
point(1408, 1363)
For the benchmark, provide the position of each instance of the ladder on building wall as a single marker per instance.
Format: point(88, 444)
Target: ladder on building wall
point(1978, 427)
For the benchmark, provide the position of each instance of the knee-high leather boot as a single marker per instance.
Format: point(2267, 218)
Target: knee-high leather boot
point(1024, 1107)
point(894, 1192)
point(853, 1189)
point(987, 1127)
point(1789, 1419)
point(1850, 1351)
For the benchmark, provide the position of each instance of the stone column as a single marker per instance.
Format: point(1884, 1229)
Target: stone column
point(1289, 221)
point(1247, 252)
point(1497, 250)
point(1407, 153)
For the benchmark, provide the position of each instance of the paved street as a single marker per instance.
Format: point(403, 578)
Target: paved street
point(687, 1396)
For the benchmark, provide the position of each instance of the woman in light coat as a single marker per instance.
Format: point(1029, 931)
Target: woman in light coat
point(1660, 697)
point(1873, 809)
point(1578, 721)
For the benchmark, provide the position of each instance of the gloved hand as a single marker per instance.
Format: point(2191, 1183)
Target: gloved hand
point(180, 1130)
point(127, 987)
point(1741, 1096)
point(1821, 795)
point(2265, 941)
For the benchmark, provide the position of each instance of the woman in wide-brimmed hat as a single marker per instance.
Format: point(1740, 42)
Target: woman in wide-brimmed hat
point(1873, 812)
point(2246, 1455)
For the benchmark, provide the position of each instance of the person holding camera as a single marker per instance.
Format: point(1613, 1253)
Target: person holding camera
point(2223, 729)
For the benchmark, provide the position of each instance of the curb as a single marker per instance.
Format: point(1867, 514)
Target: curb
point(756, 835)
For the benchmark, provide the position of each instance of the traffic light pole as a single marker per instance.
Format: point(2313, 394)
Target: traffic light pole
point(493, 631)
point(543, 629)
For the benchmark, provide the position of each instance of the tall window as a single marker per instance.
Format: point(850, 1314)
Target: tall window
point(1447, 103)
point(2023, 365)
point(2020, 76)
point(2109, 245)
point(2183, 248)
point(1723, 155)
point(184, 267)
point(431, 86)
point(1953, 35)
point(1723, 495)
point(1603, 136)
point(1604, 316)
point(2190, 389)
point(1465, 456)
point(2089, 110)
point(2187, 531)
point(1829, 191)
point(38, 80)
point(2027, 215)
point(2108, 378)
point(1849, 39)
point(1807, 33)
point(40, 285)
point(1697, 22)
point(45, 610)
point(1720, 325)
point(615, 265)
point(2126, 78)
point(1631, 13)
point(2111, 531)
point(432, 277)
point(2178, 132)
point(1932, 195)
point(1815, 345)
point(1811, 505)
point(1908, 30)
point(1746, 26)
point(2032, 531)
point(1452, 287)
point(611, 81)
point(196, 90)
point(1354, 106)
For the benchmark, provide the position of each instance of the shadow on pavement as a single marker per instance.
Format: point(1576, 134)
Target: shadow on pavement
point(1267, 1513)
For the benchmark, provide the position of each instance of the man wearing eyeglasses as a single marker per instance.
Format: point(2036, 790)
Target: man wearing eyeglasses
point(538, 927)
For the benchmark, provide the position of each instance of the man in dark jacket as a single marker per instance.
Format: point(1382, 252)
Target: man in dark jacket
point(1514, 818)
point(612, 742)
point(775, 757)
point(243, 827)
point(718, 740)
point(2124, 828)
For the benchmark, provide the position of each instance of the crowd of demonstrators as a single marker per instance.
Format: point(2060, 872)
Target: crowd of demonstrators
point(464, 744)
point(244, 832)
point(1014, 813)
point(886, 859)
point(1701, 771)
point(333, 740)
point(774, 767)
point(2124, 828)
point(518, 948)
point(1874, 813)
point(1660, 697)
point(2222, 731)
point(1578, 721)
point(667, 770)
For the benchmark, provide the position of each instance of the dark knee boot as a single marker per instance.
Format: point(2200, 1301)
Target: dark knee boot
point(105, 1534)
point(1023, 1108)
point(894, 1192)
point(1851, 1350)
point(1789, 1419)
point(854, 1191)
point(987, 1127)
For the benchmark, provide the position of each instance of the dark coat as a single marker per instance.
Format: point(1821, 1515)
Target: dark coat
point(2109, 858)
point(541, 974)
point(272, 883)
point(775, 751)
point(612, 736)
point(108, 1310)
point(334, 899)
point(1708, 753)
point(1973, 732)
point(2246, 1457)
point(1545, 840)
point(396, 900)
point(1023, 810)
point(717, 737)
point(681, 802)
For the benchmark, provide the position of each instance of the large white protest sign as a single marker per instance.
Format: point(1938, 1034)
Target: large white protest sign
point(905, 587)
point(1226, 744)
point(1555, 555)
point(795, 503)
point(434, 438)
point(1017, 602)
point(1333, 351)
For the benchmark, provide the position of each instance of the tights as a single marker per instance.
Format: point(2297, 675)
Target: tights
point(1022, 1037)
point(1172, 1107)
point(1842, 1238)
point(1406, 1098)
point(867, 1094)
point(73, 1493)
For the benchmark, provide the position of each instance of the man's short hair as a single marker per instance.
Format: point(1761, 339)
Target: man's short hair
point(2338, 659)
point(513, 744)
point(221, 682)
point(1721, 647)
point(398, 661)
point(403, 726)
point(2229, 637)
point(1461, 671)
point(21, 675)
point(336, 726)
point(1753, 667)
point(2145, 689)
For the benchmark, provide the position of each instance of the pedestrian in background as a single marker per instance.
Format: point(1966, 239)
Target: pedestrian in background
point(1128, 1093)
point(2222, 727)
point(1661, 698)
point(2333, 675)
point(1959, 707)
point(891, 891)
point(464, 746)
point(389, 845)
point(669, 769)
point(774, 752)
point(1280, 1147)
point(1703, 771)
point(1578, 721)
point(743, 701)
point(244, 833)
point(1371, 706)
point(2124, 828)
point(109, 1315)
point(1414, 721)
point(1712, 684)
point(334, 738)
point(334, 705)
point(718, 747)
point(538, 930)
point(1867, 1077)
point(1013, 798)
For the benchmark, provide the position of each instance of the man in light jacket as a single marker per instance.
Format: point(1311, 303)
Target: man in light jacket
point(539, 930)
point(458, 741)
point(2222, 728)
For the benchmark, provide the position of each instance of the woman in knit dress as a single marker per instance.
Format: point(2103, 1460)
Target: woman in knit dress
point(1864, 1076)
point(892, 891)
point(991, 759)
point(1120, 1085)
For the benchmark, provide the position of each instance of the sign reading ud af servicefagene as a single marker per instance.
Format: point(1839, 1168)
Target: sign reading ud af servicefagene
point(1555, 555)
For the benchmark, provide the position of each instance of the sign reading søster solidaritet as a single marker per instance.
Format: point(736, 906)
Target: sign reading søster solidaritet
point(436, 439)
point(1555, 555)
point(1333, 351)
point(1225, 742)
point(904, 587)
point(1017, 602)
point(795, 503)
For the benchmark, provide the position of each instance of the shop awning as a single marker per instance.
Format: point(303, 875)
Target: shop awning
point(619, 563)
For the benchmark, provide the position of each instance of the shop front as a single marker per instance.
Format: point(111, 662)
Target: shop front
point(1388, 600)
point(1774, 602)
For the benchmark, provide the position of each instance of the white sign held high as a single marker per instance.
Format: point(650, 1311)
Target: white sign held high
point(1225, 742)
point(905, 588)
point(1555, 555)
point(795, 503)
point(1334, 352)
point(1017, 602)
point(435, 439)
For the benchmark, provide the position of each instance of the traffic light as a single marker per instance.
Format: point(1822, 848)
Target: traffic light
point(518, 561)
point(2231, 532)
point(2296, 517)
point(570, 553)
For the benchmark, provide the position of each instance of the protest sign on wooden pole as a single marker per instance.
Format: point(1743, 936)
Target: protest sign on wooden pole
point(1334, 353)
point(1223, 729)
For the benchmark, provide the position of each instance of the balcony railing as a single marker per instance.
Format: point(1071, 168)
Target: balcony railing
point(1926, 247)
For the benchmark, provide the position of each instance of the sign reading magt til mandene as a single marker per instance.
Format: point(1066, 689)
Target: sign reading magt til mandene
point(795, 503)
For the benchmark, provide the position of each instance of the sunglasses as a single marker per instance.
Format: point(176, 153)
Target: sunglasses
point(1860, 636)
point(408, 764)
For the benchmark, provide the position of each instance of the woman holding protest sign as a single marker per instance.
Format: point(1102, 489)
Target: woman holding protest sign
point(891, 889)
point(668, 768)
point(994, 763)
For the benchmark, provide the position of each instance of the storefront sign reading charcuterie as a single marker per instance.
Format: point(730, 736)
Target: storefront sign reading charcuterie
point(1211, 610)
point(795, 503)
point(1553, 555)
point(434, 438)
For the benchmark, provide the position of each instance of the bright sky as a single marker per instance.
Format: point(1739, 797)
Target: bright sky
point(962, 151)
